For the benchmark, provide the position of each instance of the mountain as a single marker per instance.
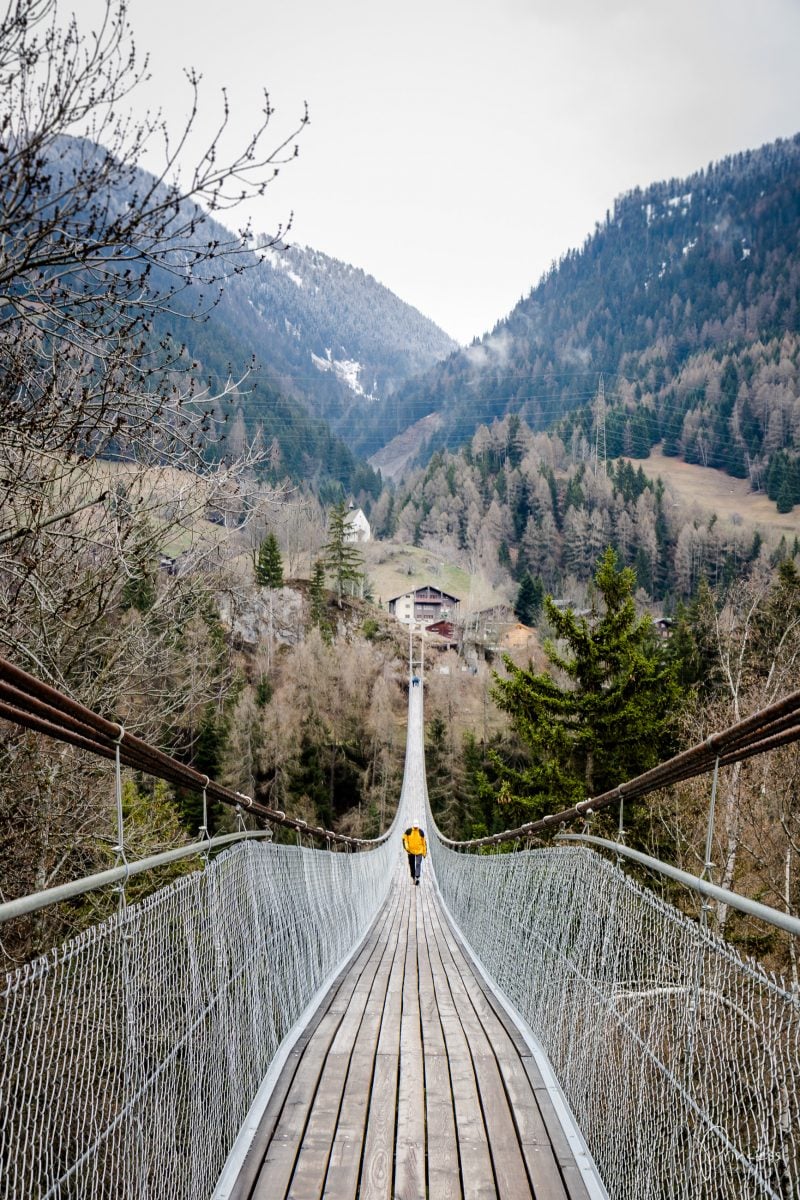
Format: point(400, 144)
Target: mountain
point(340, 339)
point(322, 334)
point(314, 342)
point(327, 343)
point(686, 300)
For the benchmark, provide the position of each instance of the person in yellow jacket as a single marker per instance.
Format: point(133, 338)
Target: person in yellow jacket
point(416, 848)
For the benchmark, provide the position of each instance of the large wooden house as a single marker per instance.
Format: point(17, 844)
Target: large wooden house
point(426, 603)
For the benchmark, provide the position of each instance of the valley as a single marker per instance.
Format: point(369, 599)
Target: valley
point(169, 553)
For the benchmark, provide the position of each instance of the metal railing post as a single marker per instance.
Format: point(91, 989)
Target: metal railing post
point(119, 849)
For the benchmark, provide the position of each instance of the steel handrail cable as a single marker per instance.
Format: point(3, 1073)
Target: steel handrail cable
point(33, 704)
point(175, 772)
point(771, 727)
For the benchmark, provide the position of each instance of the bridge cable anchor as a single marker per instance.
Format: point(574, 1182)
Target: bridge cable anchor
point(205, 836)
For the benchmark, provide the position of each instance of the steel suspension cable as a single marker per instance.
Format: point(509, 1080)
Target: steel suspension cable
point(776, 725)
point(28, 702)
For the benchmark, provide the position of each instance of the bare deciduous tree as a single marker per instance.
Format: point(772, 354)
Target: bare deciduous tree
point(97, 257)
point(102, 417)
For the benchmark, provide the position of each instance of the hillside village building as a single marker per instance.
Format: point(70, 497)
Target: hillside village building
point(357, 525)
point(426, 603)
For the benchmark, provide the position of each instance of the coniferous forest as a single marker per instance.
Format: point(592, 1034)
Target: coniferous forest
point(685, 301)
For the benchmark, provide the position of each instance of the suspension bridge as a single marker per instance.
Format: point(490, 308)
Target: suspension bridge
point(300, 1022)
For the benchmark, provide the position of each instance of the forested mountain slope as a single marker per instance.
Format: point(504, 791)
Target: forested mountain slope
point(327, 341)
point(322, 342)
point(331, 333)
point(515, 503)
point(685, 299)
point(315, 342)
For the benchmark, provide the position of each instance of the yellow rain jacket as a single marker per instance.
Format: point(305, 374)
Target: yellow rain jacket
point(414, 841)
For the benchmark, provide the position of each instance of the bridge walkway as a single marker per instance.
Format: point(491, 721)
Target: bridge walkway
point(410, 1081)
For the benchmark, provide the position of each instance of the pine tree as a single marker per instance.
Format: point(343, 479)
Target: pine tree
point(528, 604)
point(342, 558)
point(613, 720)
point(268, 563)
point(318, 614)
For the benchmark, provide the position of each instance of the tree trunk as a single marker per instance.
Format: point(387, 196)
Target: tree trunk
point(589, 772)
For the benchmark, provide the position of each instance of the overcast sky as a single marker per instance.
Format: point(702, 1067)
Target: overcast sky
point(456, 148)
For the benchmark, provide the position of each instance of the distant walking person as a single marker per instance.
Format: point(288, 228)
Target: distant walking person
point(416, 848)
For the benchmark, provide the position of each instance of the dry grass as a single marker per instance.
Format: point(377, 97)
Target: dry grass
point(713, 491)
point(173, 499)
point(395, 569)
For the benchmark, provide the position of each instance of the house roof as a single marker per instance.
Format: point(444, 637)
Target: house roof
point(426, 588)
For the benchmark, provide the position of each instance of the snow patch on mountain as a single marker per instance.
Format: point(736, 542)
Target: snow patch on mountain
point(279, 263)
point(346, 369)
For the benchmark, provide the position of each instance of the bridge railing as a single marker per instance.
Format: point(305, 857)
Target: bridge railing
point(32, 704)
point(132, 1053)
point(679, 1057)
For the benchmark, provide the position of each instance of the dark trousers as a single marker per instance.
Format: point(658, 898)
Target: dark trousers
point(415, 865)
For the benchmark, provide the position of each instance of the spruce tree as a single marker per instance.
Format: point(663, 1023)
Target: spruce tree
point(785, 498)
point(318, 614)
point(528, 605)
point(692, 648)
point(342, 558)
point(268, 564)
point(610, 722)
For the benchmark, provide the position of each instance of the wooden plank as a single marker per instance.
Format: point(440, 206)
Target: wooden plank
point(283, 1126)
point(409, 1169)
point(311, 1166)
point(305, 1184)
point(530, 1125)
point(541, 1133)
point(344, 1166)
point(443, 1165)
point(444, 1168)
point(509, 1166)
point(377, 1172)
point(344, 982)
point(432, 1036)
point(477, 1176)
point(571, 1174)
point(548, 1156)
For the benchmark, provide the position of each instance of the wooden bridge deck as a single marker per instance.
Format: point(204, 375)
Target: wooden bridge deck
point(410, 1082)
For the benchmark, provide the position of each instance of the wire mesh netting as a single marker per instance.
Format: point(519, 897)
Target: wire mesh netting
point(132, 1053)
point(679, 1058)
